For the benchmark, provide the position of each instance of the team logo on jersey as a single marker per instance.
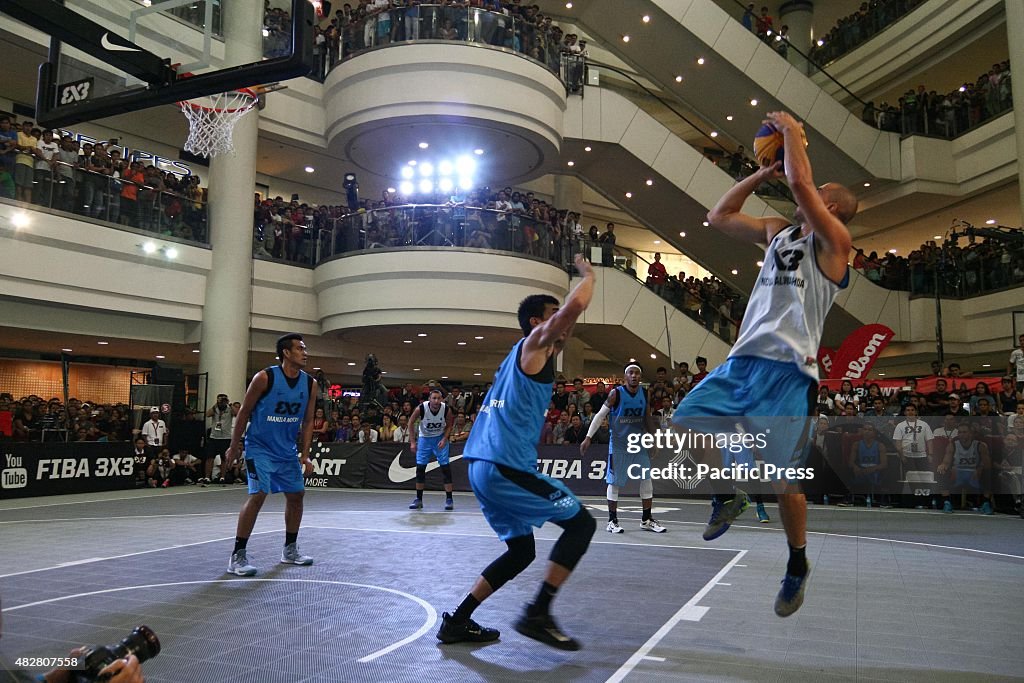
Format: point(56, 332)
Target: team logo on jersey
point(788, 259)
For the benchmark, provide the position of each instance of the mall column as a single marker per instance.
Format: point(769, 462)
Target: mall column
point(1015, 34)
point(798, 15)
point(224, 340)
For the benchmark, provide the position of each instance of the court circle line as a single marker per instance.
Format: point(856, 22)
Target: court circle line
point(427, 607)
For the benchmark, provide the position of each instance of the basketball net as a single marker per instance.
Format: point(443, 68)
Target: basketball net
point(212, 118)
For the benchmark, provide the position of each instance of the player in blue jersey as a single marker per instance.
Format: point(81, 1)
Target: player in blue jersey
point(770, 379)
point(435, 427)
point(514, 496)
point(629, 416)
point(279, 401)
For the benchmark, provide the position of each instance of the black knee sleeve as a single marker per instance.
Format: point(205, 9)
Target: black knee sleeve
point(446, 472)
point(575, 539)
point(421, 474)
point(521, 552)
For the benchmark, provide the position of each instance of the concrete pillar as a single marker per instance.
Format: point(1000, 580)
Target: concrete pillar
point(798, 15)
point(1015, 34)
point(569, 193)
point(224, 337)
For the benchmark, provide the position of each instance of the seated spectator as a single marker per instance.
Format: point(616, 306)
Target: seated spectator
point(967, 458)
point(460, 428)
point(576, 431)
point(367, 434)
point(868, 462)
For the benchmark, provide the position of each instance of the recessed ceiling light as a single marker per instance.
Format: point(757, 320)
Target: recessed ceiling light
point(654, 356)
point(316, 368)
point(735, 272)
point(657, 241)
point(20, 219)
point(415, 369)
point(195, 350)
point(424, 145)
point(570, 163)
point(383, 372)
point(625, 39)
point(682, 234)
point(936, 237)
point(820, 42)
point(161, 357)
point(351, 363)
point(422, 334)
point(67, 350)
point(407, 341)
point(392, 190)
point(477, 374)
point(629, 195)
point(753, 103)
point(706, 224)
point(477, 337)
point(990, 221)
point(700, 60)
point(461, 343)
point(478, 151)
point(986, 365)
point(310, 169)
point(149, 248)
point(588, 148)
point(102, 343)
point(867, 184)
point(650, 182)
point(892, 251)
point(679, 79)
point(881, 374)
point(412, 162)
point(444, 376)
point(632, 360)
point(714, 133)
point(760, 264)
point(729, 117)
point(646, 18)
point(171, 253)
point(568, 5)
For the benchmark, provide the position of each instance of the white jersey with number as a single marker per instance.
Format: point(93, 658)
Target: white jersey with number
point(791, 297)
point(432, 424)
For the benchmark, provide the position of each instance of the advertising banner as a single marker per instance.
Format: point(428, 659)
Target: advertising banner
point(45, 469)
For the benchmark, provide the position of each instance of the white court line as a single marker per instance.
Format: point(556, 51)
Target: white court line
point(655, 659)
point(108, 500)
point(427, 625)
point(691, 611)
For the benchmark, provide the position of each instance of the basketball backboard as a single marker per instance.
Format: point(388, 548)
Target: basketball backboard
point(110, 57)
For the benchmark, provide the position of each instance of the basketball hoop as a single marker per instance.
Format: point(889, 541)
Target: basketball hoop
point(212, 118)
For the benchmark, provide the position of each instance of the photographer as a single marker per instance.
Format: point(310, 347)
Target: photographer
point(221, 416)
point(374, 391)
point(159, 470)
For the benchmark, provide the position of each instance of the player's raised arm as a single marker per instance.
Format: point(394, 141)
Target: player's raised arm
point(549, 336)
point(727, 215)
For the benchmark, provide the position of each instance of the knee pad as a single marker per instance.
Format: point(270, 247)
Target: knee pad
point(646, 489)
point(421, 474)
point(521, 552)
point(446, 472)
point(575, 539)
point(613, 493)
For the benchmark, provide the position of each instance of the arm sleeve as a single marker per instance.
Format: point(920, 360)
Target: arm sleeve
point(595, 424)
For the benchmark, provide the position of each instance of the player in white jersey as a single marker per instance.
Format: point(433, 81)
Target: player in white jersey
point(967, 456)
point(769, 381)
point(435, 428)
point(1016, 367)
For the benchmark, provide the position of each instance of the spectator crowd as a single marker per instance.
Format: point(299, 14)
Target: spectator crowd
point(856, 28)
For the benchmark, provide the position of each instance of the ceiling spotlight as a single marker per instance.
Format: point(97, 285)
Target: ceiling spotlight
point(103, 343)
point(990, 221)
point(412, 162)
point(446, 185)
point(820, 42)
point(406, 172)
point(714, 133)
point(706, 224)
point(161, 357)
point(760, 264)
point(654, 356)
point(986, 365)
point(171, 253)
point(650, 182)
point(892, 251)
point(570, 164)
point(406, 187)
point(392, 190)
point(465, 165)
point(632, 360)
point(424, 145)
point(867, 184)
point(646, 19)
point(568, 5)
point(67, 350)
point(588, 148)
point(195, 350)
point(426, 169)
point(477, 374)
point(963, 88)
point(936, 237)
point(444, 376)
point(149, 248)
point(445, 168)
point(700, 60)
point(351, 364)
point(478, 338)
point(625, 39)
point(422, 334)
point(657, 241)
point(679, 79)
point(461, 343)
point(629, 195)
point(735, 272)
point(465, 183)
point(310, 169)
point(20, 220)
point(753, 103)
point(415, 369)
point(682, 234)
point(729, 117)
point(881, 374)
point(478, 151)
point(407, 341)
point(426, 186)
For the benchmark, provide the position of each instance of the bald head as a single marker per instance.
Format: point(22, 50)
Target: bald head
point(844, 200)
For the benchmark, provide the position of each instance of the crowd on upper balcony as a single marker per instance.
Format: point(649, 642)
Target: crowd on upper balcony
point(53, 169)
point(927, 112)
point(983, 264)
point(856, 28)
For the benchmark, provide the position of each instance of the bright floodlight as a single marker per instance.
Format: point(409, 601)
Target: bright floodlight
point(426, 169)
point(405, 187)
point(149, 248)
point(445, 185)
point(465, 165)
point(466, 183)
point(171, 253)
point(406, 172)
point(426, 186)
point(445, 168)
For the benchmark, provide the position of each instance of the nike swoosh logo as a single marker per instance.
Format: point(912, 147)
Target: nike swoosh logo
point(400, 475)
point(107, 45)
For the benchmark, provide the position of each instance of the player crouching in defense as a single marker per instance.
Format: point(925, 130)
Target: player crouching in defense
point(278, 400)
point(629, 413)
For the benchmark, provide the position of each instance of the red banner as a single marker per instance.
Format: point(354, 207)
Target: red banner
point(925, 385)
point(859, 352)
point(826, 356)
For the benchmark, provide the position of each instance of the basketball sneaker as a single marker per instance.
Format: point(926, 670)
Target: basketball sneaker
point(239, 565)
point(947, 507)
point(653, 525)
point(449, 504)
point(986, 508)
point(543, 628)
point(762, 514)
point(416, 504)
point(469, 631)
point(614, 528)
point(791, 596)
point(724, 514)
point(291, 555)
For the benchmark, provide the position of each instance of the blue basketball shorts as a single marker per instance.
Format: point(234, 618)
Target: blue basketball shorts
point(515, 501)
point(426, 448)
point(759, 397)
point(273, 475)
point(967, 479)
point(621, 466)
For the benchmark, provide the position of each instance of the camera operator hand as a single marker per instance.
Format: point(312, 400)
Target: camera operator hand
point(127, 670)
